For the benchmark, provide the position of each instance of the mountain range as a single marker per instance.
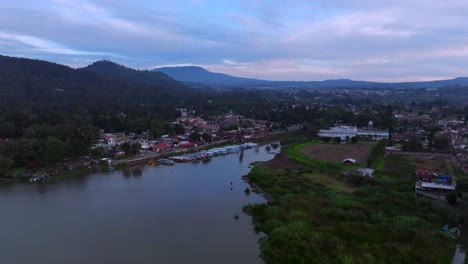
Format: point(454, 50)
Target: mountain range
point(195, 74)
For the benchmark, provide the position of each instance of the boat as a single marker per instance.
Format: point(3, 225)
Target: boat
point(166, 161)
point(249, 145)
point(40, 178)
point(109, 168)
point(150, 162)
point(218, 151)
point(232, 149)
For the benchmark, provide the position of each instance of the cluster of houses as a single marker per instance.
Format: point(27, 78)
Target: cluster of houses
point(112, 143)
point(433, 185)
point(421, 125)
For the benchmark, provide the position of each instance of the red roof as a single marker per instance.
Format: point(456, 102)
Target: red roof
point(423, 174)
point(188, 144)
point(161, 146)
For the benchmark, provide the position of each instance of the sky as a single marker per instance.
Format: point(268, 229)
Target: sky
point(375, 40)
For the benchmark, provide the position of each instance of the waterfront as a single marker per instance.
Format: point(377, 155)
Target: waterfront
point(152, 214)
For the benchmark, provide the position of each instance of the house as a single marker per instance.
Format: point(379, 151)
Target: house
point(144, 144)
point(349, 161)
point(187, 144)
point(437, 186)
point(366, 172)
point(424, 175)
point(110, 141)
point(161, 147)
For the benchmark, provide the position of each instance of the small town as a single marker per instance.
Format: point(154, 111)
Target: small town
point(198, 131)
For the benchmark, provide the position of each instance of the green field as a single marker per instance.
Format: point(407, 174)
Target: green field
point(317, 217)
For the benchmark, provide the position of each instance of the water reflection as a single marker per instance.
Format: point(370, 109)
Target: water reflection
point(42, 188)
point(126, 172)
point(137, 171)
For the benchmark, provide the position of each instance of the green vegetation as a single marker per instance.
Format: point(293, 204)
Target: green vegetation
point(316, 218)
point(376, 154)
point(71, 174)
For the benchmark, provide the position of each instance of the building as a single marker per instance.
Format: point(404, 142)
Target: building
point(349, 161)
point(374, 134)
point(342, 132)
point(347, 132)
point(368, 172)
point(424, 175)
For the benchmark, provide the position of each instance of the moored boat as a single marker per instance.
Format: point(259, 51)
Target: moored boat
point(166, 161)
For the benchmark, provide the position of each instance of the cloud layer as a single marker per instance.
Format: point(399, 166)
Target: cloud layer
point(277, 40)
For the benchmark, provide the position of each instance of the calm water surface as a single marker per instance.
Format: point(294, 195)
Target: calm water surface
point(151, 214)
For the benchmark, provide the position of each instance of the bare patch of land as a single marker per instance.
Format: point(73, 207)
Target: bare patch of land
point(280, 161)
point(437, 166)
point(338, 152)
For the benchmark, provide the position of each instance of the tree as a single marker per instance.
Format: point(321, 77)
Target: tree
point(157, 128)
point(413, 144)
point(451, 198)
point(7, 130)
point(337, 140)
point(179, 129)
point(126, 147)
point(195, 136)
point(136, 147)
point(207, 137)
point(354, 140)
point(442, 142)
point(52, 150)
point(246, 123)
point(5, 165)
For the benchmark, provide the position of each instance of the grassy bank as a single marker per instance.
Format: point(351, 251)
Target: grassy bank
point(315, 217)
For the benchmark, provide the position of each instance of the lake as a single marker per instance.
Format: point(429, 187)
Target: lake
point(151, 214)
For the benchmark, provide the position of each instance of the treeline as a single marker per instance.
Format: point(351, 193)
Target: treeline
point(376, 154)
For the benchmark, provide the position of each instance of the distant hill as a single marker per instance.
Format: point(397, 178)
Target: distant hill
point(36, 81)
point(117, 71)
point(195, 74)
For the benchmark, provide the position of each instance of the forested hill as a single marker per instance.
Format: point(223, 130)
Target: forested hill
point(195, 74)
point(117, 71)
point(35, 81)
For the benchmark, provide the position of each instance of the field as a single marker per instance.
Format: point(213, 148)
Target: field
point(338, 152)
point(438, 166)
point(314, 216)
point(330, 182)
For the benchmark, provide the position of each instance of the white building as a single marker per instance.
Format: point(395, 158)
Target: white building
point(347, 131)
point(374, 134)
point(339, 131)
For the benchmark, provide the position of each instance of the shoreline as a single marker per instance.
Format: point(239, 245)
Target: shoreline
point(255, 188)
point(138, 160)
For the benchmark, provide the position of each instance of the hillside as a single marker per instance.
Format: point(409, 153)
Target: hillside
point(114, 70)
point(36, 81)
